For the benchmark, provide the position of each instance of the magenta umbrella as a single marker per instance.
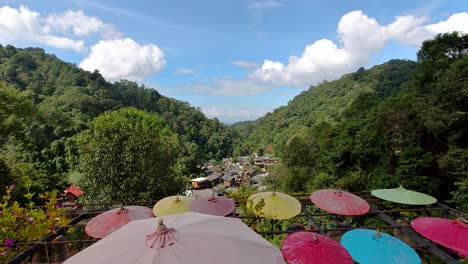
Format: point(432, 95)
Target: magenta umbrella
point(339, 202)
point(108, 222)
point(220, 206)
point(448, 233)
point(308, 247)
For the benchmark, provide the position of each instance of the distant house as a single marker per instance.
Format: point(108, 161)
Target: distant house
point(72, 192)
point(230, 181)
point(243, 160)
point(249, 172)
point(215, 178)
point(199, 183)
point(264, 161)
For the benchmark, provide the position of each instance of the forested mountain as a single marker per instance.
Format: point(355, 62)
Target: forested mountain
point(401, 122)
point(322, 103)
point(45, 102)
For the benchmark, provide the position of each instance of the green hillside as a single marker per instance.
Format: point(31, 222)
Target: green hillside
point(323, 103)
point(401, 122)
point(45, 102)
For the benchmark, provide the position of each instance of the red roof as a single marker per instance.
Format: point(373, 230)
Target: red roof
point(74, 190)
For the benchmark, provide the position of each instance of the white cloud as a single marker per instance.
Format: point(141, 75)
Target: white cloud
point(79, 24)
point(184, 71)
point(245, 64)
point(360, 37)
point(456, 22)
point(124, 59)
point(23, 25)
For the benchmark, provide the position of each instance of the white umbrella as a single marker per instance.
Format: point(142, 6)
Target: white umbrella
point(182, 238)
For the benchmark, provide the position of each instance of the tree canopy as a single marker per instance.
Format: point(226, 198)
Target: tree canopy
point(128, 155)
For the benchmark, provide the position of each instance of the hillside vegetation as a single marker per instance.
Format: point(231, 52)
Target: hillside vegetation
point(401, 122)
point(46, 103)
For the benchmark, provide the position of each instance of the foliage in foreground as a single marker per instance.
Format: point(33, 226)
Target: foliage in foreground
point(26, 224)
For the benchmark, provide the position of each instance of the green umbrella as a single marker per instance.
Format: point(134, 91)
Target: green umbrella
point(403, 196)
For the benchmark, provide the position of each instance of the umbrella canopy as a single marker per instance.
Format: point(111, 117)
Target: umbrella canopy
point(404, 196)
point(339, 202)
point(370, 246)
point(172, 205)
point(446, 232)
point(220, 206)
point(108, 222)
point(182, 238)
point(277, 205)
point(308, 247)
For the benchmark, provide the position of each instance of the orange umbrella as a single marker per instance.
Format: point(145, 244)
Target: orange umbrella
point(107, 222)
point(220, 206)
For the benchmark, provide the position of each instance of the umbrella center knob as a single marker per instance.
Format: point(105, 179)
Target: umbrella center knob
point(212, 199)
point(122, 210)
point(161, 227)
point(377, 234)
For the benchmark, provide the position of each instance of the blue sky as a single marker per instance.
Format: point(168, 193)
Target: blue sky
point(236, 60)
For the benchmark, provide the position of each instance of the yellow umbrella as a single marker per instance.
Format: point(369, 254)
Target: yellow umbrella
point(172, 205)
point(277, 205)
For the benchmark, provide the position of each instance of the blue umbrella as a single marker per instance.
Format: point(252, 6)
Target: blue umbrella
point(370, 246)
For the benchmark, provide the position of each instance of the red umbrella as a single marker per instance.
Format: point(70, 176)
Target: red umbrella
point(220, 206)
point(107, 222)
point(339, 202)
point(308, 247)
point(448, 233)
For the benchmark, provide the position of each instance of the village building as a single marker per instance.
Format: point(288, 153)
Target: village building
point(215, 178)
point(199, 183)
point(72, 192)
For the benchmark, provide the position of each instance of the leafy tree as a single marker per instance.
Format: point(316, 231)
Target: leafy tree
point(16, 112)
point(128, 155)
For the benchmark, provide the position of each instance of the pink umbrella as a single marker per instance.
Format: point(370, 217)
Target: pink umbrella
point(185, 238)
point(308, 247)
point(339, 202)
point(107, 222)
point(220, 206)
point(448, 233)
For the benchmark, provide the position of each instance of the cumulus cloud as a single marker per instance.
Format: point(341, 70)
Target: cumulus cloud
point(456, 22)
point(360, 37)
point(79, 24)
point(124, 59)
point(22, 25)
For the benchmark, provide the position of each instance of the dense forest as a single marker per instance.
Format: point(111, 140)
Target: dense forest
point(47, 105)
point(401, 122)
